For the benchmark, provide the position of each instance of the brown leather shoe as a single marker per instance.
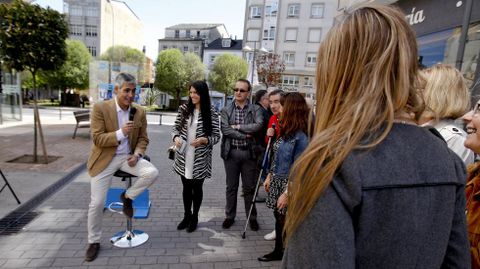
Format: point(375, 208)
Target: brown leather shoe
point(127, 205)
point(92, 252)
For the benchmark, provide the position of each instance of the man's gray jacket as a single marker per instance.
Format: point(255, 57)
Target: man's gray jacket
point(252, 124)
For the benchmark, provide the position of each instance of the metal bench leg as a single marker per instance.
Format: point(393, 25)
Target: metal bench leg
point(129, 238)
point(75, 132)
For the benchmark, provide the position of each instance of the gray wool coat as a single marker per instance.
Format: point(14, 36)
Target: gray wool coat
point(398, 205)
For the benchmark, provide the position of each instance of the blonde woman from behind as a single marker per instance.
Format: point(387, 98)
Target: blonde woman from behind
point(447, 99)
point(373, 189)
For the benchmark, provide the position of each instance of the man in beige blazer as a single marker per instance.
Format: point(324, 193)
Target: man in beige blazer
point(118, 143)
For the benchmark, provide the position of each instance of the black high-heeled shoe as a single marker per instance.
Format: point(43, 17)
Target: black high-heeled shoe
point(185, 222)
point(193, 223)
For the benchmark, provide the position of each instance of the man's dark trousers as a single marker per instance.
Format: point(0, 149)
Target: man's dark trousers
point(240, 162)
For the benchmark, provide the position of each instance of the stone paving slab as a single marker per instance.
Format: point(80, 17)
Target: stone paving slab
point(57, 237)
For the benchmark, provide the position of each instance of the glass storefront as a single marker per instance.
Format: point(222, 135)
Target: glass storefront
point(442, 47)
point(11, 97)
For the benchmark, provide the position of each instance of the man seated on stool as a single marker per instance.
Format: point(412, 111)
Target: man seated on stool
point(118, 143)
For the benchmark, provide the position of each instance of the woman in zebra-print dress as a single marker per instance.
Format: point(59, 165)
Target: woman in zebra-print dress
point(196, 130)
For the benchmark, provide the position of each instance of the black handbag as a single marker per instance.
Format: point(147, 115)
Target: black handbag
point(171, 152)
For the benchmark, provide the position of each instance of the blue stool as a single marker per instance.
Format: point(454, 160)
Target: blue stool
point(129, 238)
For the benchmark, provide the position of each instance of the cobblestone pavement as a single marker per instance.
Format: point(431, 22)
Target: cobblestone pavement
point(56, 237)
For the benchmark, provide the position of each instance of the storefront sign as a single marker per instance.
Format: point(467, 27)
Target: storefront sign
point(429, 16)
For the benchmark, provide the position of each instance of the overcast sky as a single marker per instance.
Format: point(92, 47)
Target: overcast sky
point(158, 14)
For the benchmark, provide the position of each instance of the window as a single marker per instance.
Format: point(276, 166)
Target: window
point(311, 59)
point(226, 43)
point(269, 34)
point(187, 33)
point(289, 80)
point(211, 60)
point(196, 50)
point(177, 33)
point(293, 11)
point(76, 29)
point(91, 11)
point(198, 33)
point(76, 10)
point(90, 30)
point(270, 11)
point(253, 34)
point(291, 34)
point(308, 82)
point(317, 10)
point(165, 47)
point(92, 50)
point(255, 12)
point(315, 35)
point(289, 58)
point(185, 49)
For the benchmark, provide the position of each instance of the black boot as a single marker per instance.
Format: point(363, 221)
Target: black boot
point(185, 222)
point(193, 223)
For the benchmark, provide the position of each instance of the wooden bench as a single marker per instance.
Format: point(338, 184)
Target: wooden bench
point(83, 120)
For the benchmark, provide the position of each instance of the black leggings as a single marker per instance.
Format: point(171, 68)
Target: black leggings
point(279, 224)
point(192, 192)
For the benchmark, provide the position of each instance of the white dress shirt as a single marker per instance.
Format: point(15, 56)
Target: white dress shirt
point(122, 116)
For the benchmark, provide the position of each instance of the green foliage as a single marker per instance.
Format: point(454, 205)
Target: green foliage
point(74, 72)
point(124, 54)
point(227, 69)
point(176, 71)
point(32, 37)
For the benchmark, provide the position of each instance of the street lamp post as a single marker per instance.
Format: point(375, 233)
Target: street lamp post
point(110, 62)
point(254, 50)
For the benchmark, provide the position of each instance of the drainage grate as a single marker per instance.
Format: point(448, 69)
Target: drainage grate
point(24, 214)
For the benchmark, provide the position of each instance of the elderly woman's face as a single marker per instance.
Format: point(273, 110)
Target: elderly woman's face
point(472, 119)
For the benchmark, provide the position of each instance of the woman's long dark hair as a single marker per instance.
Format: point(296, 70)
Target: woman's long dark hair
point(205, 107)
point(294, 115)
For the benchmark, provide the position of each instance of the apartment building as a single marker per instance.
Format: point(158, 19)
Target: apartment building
point(292, 29)
point(191, 37)
point(101, 24)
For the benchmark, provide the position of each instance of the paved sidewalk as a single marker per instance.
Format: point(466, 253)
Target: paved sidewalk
point(56, 237)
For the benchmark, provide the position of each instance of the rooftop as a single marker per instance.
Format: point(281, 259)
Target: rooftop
point(217, 45)
point(194, 26)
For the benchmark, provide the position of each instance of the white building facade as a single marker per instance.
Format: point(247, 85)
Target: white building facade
point(191, 37)
point(101, 24)
point(292, 29)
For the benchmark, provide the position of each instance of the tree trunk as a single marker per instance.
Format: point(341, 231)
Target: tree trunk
point(37, 124)
point(178, 98)
point(35, 108)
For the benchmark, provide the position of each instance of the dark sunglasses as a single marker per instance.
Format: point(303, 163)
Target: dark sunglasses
point(239, 90)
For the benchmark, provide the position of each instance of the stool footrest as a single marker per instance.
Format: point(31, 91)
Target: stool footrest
point(141, 204)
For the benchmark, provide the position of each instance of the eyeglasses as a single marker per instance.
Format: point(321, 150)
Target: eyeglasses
point(476, 109)
point(239, 90)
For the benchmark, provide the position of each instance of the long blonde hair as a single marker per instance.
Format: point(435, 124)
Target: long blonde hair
point(366, 73)
point(446, 94)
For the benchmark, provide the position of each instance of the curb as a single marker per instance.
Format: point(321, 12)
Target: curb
point(21, 216)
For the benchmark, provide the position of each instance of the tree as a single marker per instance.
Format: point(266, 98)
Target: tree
point(124, 54)
point(74, 71)
point(270, 68)
point(176, 71)
point(227, 69)
point(32, 38)
point(195, 69)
